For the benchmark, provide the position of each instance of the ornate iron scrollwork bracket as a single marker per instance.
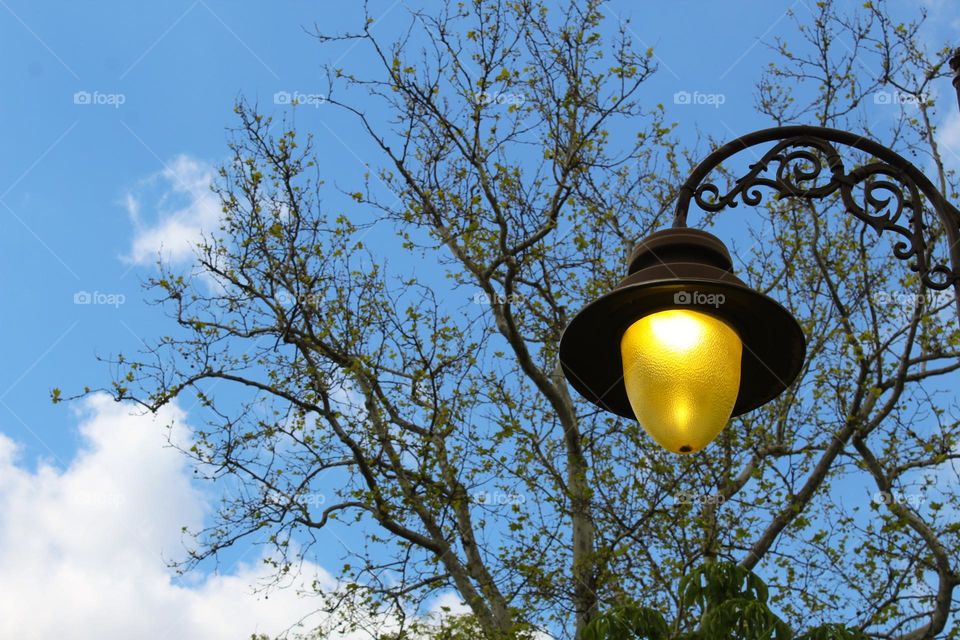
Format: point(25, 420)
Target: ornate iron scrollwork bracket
point(805, 163)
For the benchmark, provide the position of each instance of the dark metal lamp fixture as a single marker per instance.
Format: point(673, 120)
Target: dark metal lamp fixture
point(696, 344)
point(681, 344)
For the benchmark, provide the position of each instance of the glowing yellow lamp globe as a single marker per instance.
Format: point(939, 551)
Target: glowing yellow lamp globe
point(682, 375)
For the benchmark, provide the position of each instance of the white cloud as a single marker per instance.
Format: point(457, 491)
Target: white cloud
point(82, 548)
point(185, 209)
point(448, 603)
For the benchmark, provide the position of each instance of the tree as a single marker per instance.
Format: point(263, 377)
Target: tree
point(450, 627)
point(523, 160)
point(731, 603)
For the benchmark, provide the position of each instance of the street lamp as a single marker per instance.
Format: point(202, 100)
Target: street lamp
point(681, 344)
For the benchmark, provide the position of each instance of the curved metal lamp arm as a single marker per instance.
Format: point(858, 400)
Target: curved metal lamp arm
point(955, 66)
point(804, 155)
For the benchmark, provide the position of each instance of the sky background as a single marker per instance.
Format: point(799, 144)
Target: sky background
point(113, 117)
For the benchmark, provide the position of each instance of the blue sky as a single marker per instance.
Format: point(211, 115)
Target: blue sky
point(112, 117)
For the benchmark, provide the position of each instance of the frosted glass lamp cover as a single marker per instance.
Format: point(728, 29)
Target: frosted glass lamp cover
point(682, 375)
